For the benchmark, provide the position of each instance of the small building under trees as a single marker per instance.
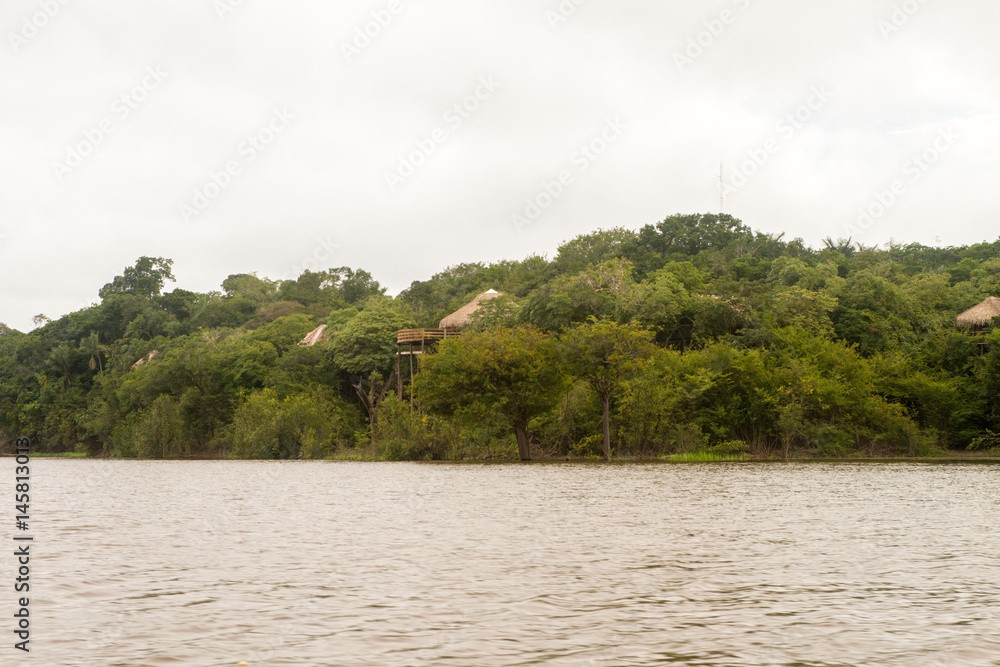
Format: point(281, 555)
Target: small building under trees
point(979, 317)
point(413, 342)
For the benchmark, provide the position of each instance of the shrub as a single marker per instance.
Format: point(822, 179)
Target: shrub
point(734, 448)
point(158, 432)
point(989, 441)
point(402, 435)
point(300, 426)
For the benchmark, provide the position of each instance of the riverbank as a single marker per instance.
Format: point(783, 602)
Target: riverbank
point(950, 458)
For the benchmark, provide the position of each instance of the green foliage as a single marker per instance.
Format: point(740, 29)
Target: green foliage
point(267, 426)
point(367, 343)
point(283, 333)
point(404, 435)
point(602, 353)
point(592, 249)
point(989, 441)
point(247, 285)
point(514, 370)
point(662, 303)
point(693, 337)
point(157, 432)
point(571, 299)
point(802, 309)
point(730, 448)
point(365, 348)
point(144, 279)
point(705, 457)
point(495, 312)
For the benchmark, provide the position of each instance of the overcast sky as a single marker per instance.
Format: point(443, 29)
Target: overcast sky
point(405, 136)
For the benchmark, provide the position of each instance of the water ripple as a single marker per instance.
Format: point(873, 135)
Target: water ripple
point(289, 563)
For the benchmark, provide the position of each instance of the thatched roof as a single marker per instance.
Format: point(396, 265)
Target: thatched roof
point(148, 357)
point(314, 336)
point(461, 316)
point(981, 315)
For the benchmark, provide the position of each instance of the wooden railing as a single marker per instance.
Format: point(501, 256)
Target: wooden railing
point(420, 335)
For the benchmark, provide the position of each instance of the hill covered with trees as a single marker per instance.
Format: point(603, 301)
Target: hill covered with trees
point(696, 335)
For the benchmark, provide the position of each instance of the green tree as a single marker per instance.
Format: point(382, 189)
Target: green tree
point(146, 278)
point(570, 299)
point(602, 353)
point(366, 349)
point(249, 286)
point(662, 303)
point(62, 359)
point(796, 307)
point(516, 370)
point(91, 345)
point(594, 248)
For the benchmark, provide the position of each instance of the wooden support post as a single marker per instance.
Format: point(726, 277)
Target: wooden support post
point(399, 377)
point(411, 380)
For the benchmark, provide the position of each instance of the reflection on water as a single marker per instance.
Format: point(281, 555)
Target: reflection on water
point(295, 563)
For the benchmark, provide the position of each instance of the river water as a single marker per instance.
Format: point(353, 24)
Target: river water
point(322, 563)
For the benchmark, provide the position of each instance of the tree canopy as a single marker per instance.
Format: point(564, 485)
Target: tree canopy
point(696, 334)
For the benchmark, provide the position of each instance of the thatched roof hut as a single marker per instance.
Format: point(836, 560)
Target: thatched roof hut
point(979, 316)
point(313, 337)
point(461, 316)
point(148, 357)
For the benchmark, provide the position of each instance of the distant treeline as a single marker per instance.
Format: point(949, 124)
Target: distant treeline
point(693, 335)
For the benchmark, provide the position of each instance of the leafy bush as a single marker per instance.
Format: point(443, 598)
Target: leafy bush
point(157, 432)
point(402, 435)
point(300, 426)
point(589, 447)
point(733, 448)
point(989, 441)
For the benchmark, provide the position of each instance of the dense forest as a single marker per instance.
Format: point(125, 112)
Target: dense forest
point(696, 336)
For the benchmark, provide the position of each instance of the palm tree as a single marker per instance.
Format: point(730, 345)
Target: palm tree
point(62, 358)
point(844, 246)
point(92, 345)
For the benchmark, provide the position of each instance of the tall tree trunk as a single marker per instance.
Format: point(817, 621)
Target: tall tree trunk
point(372, 394)
point(606, 424)
point(523, 447)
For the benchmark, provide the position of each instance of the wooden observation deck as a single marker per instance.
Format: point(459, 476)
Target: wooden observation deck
point(414, 342)
point(422, 337)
